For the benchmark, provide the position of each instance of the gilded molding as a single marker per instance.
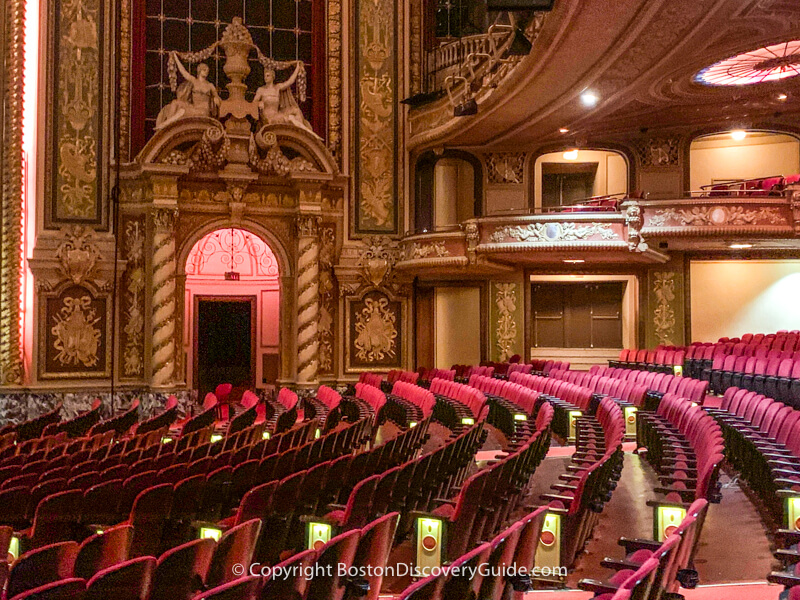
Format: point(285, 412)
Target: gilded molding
point(664, 314)
point(12, 198)
point(552, 232)
point(716, 216)
point(505, 167)
point(506, 327)
point(335, 78)
point(125, 41)
point(376, 208)
point(76, 100)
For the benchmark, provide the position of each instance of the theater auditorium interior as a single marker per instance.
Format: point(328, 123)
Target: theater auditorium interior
point(400, 300)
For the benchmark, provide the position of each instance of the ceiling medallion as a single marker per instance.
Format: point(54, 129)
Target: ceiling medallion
point(769, 63)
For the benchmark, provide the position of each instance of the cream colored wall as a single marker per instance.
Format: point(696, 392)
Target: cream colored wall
point(733, 297)
point(719, 158)
point(458, 326)
point(611, 176)
point(453, 192)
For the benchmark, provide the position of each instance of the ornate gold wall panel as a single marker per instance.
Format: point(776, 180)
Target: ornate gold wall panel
point(13, 23)
point(328, 294)
point(334, 72)
point(665, 318)
point(376, 208)
point(75, 136)
point(506, 319)
point(132, 299)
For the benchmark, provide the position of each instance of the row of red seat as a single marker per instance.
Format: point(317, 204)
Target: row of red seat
point(653, 570)
point(506, 561)
point(686, 446)
point(202, 568)
point(465, 395)
point(488, 497)
point(762, 186)
point(372, 395)
point(762, 439)
point(522, 396)
point(431, 374)
point(407, 376)
point(626, 390)
point(566, 398)
point(661, 383)
point(415, 395)
point(773, 375)
point(662, 358)
point(591, 477)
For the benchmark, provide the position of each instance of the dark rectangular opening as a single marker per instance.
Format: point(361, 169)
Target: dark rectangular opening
point(567, 183)
point(224, 346)
point(577, 315)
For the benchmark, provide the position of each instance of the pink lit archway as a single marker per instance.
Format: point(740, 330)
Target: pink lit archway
point(224, 250)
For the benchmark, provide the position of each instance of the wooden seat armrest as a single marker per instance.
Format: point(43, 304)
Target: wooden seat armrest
point(596, 586)
point(618, 564)
point(633, 544)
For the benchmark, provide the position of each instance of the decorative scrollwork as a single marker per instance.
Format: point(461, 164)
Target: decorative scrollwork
point(551, 232)
point(376, 331)
point(378, 259)
point(506, 300)
point(716, 216)
point(77, 254)
point(664, 314)
point(75, 332)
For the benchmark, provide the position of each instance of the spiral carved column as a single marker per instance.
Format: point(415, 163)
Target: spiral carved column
point(307, 300)
point(164, 300)
point(12, 194)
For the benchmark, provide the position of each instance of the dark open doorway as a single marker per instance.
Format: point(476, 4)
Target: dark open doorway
point(224, 343)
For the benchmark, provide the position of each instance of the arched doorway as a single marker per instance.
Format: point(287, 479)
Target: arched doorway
point(232, 312)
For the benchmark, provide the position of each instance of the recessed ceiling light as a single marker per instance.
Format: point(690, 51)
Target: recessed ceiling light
point(738, 134)
point(740, 246)
point(782, 97)
point(571, 154)
point(589, 99)
point(563, 130)
point(574, 261)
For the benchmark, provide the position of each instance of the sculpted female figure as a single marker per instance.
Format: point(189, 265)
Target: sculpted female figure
point(205, 98)
point(275, 101)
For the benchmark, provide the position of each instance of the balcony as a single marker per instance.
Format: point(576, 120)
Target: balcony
point(635, 231)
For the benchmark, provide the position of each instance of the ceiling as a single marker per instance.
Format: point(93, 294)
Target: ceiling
point(640, 57)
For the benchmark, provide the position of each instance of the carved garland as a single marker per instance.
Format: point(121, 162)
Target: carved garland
point(335, 77)
point(551, 232)
point(327, 298)
point(663, 314)
point(716, 216)
point(506, 300)
point(11, 253)
point(133, 353)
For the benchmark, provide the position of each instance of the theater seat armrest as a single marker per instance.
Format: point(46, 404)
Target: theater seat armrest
point(787, 557)
point(597, 587)
point(563, 487)
point(445, 501)
point(788, 536)
point(783, 579)
point(332, 507)
point(556, 497)
point(569, 477)
point(632, 545)
point(618, 564)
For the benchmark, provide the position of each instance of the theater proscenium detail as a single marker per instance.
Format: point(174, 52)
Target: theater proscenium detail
point(273, 104)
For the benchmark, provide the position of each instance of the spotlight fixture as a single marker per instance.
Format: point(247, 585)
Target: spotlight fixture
point(563, 130)
point(740, 246)
point(466, 108)
point(738, 135)
point(574, 261)
point(571, 154)
point(589, 99)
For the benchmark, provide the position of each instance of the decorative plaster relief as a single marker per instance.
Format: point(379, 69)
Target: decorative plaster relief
point(551, 232)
